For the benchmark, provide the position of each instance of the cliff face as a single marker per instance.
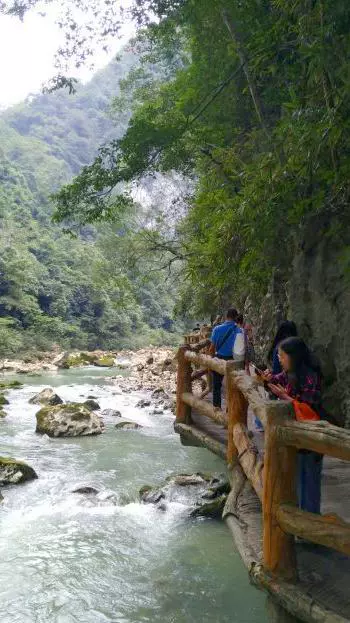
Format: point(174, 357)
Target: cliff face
point(316, 296)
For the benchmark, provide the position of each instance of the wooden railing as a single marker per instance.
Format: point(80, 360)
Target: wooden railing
point(273, 479)
point(197, 336)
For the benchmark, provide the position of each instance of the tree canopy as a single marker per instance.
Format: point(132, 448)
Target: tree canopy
point(255, 108)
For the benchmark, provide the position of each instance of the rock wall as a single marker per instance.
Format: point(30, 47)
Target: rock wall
point(316, 295)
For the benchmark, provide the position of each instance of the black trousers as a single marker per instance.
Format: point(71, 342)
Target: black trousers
point(217, 383)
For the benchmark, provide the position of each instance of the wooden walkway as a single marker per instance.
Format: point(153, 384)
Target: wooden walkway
point(324, 574)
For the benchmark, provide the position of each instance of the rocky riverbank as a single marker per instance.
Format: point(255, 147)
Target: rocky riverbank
point(151, 370)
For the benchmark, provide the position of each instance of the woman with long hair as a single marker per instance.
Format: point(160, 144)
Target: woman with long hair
point(300, 383)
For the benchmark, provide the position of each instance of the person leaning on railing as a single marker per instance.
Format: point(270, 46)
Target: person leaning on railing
point(300, 383)
point(227, 342)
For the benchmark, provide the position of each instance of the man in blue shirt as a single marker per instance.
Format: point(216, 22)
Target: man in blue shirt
point(222, 342)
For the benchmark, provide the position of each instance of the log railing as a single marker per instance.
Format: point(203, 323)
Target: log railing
point(274, 478)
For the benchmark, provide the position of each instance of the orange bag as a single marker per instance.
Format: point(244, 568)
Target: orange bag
point(303, 412)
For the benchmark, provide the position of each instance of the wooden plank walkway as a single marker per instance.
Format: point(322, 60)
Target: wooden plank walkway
point(324, 574)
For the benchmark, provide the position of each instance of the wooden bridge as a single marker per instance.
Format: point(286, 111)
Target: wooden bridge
point(308, 576)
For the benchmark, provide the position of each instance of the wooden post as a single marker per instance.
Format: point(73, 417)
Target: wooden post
point(237, 407)
point(279, 488)
point(184, 384)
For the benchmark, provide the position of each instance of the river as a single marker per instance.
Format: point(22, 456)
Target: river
point(63, 560)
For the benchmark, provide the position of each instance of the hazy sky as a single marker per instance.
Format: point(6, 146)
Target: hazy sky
point(27, 55)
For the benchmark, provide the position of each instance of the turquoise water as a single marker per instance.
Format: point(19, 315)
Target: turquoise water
point(64, 559)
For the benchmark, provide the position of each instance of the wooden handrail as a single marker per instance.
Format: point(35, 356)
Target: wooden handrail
point(212, 363)
point(202, 344)
point(319, 437)
point(204, 408)
point(250, 390)
point(327, 530)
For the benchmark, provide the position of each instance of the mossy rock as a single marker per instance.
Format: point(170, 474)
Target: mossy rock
point(107, 361)
point(3, 400)
point(78, 360)
point(213, 508)
point(68, 420)
point(128, 425)
point(11, 385)
point(13, 472)
point(2, 413)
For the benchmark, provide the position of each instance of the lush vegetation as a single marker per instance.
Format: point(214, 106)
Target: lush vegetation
point(90, 289)
point(255, 107)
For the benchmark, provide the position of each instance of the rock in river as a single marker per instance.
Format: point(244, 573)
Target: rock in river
point(86, 490)
point(111, 413)
point(128, 425)
point(76, 360)
point(13, 472)
point(91, 404)
point(11, 385)
point(92, 497)
point(143, 403)
point(46, 397)
point(106, 361)
point(3, 400)
point(69, 420)
point(203, 495)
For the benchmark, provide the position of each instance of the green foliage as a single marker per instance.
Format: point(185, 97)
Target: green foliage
point(258, 110)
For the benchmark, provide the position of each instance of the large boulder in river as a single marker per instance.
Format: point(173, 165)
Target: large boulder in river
point(13, 472)
point(69, 420)
point(77, 360)
point(46, 397)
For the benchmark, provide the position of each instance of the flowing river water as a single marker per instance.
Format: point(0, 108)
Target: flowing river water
point(64, 559)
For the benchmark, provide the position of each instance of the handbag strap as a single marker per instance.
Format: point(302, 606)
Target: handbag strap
point(225, 338)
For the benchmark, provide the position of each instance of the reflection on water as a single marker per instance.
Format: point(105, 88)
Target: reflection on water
point(65, 559)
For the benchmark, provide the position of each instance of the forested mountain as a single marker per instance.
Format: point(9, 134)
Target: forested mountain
point(88, 290)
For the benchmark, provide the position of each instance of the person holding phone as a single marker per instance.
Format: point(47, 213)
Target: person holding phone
point(300, 383)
